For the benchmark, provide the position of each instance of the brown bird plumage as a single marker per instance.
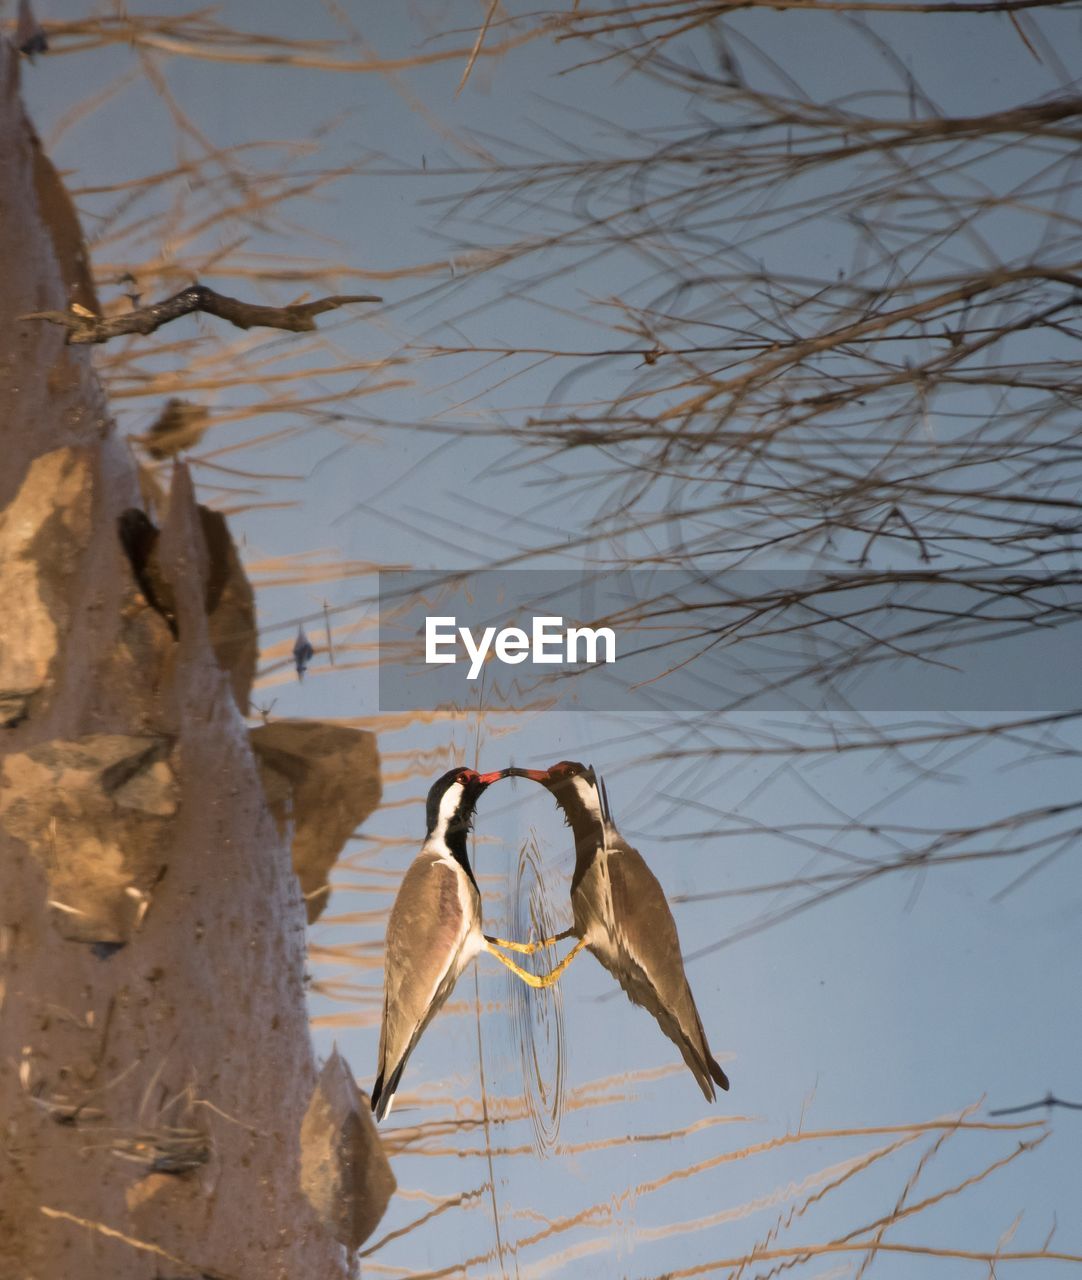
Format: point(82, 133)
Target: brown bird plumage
point(434, 929)
point(622, 917)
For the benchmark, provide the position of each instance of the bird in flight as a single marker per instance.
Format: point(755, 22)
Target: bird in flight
point(622, 917)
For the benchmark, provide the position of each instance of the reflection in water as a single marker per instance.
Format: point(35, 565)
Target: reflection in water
point(538, 1015)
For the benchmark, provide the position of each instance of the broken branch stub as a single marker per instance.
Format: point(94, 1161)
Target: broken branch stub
point(84, 326)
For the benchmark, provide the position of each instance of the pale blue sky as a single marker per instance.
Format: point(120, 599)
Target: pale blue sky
point(899, 1002)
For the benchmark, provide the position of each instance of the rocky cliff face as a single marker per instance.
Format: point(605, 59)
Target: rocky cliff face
point(155, 1062)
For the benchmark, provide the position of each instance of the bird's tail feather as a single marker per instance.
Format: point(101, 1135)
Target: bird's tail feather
point(383, 1095)
point(377, 1095)
point(719, 1077)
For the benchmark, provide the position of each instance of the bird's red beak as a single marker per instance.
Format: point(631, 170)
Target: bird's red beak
point(535, 775)
point(486, 779)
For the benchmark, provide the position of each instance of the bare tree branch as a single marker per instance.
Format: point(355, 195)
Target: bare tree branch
point(298, 317)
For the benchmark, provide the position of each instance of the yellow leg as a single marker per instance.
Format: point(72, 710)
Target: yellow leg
point(528, 948)
point(533, 979)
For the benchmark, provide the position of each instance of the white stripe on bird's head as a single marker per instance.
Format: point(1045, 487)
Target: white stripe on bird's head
point(586, 791)
point(450, 803)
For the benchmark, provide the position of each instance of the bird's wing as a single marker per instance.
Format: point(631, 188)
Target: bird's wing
point(425, 933)
point(646, 933)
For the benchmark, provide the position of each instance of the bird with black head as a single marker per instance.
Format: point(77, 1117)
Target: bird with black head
point(434, 929)
point(622, 917)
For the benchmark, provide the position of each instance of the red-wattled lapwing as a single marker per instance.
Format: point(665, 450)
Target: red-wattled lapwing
point(434, 930)
point(622, 917)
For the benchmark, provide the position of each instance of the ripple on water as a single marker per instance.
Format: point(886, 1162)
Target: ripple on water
point(538, 1015)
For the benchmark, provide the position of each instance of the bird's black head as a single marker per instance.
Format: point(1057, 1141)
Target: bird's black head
point(577, 789)
point(453, 798)
point(559, 775)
